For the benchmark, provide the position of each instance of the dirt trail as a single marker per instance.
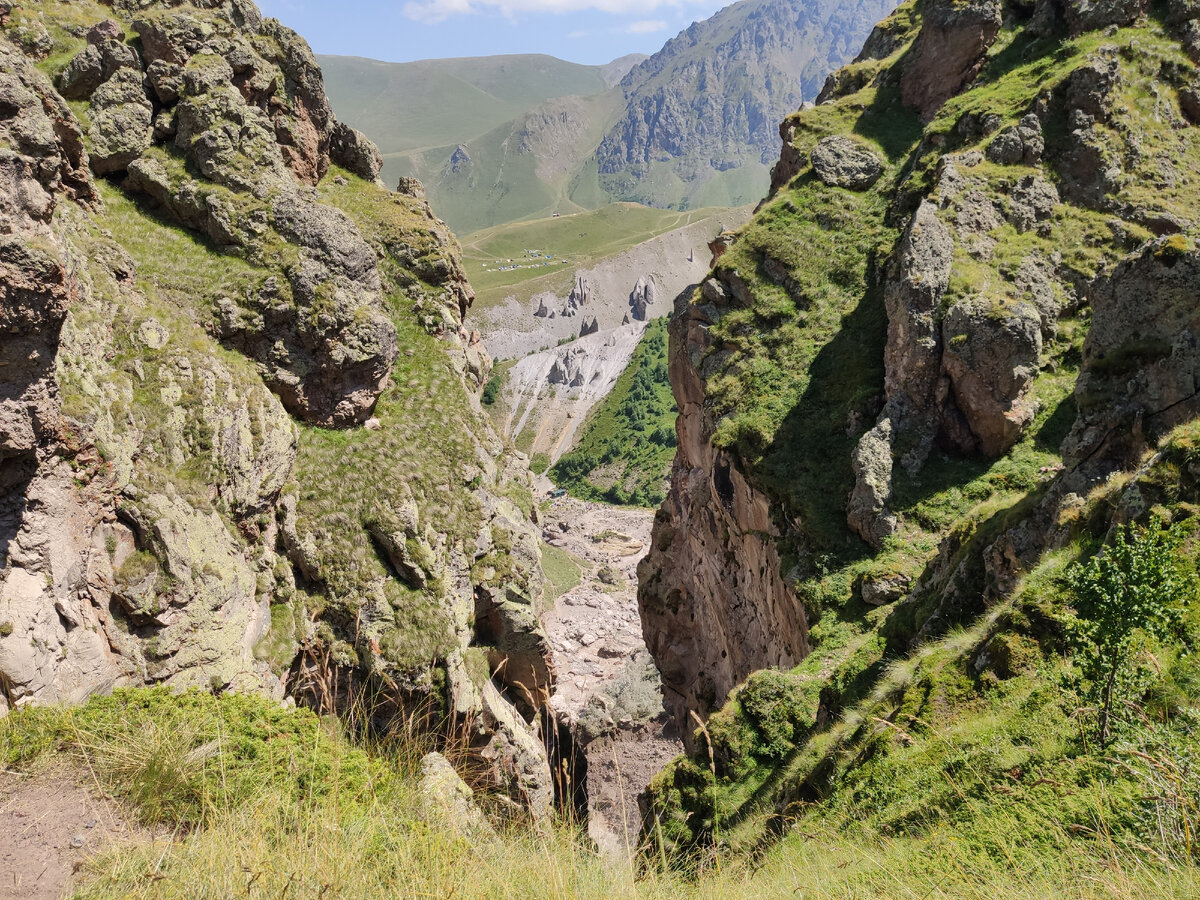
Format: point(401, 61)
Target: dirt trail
point(596, 635)
point(49, 826)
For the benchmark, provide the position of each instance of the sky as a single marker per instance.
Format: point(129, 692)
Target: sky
point(584, 31)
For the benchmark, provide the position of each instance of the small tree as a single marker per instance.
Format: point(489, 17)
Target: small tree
point(1132, 588)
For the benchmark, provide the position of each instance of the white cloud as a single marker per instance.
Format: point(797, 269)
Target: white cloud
point(646, 26)
point(431, 11)
point(578, 34)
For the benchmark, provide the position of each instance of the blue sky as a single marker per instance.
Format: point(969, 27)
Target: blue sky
point(585, 31)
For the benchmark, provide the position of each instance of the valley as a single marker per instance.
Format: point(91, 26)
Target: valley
point(764, 467)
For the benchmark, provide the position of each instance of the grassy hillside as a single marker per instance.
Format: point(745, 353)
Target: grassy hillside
point(418, 112)
point(263, 801)
point(626, 446)
point(532, 165)
point(562, 244)
point(970, 705)
point(436, 102)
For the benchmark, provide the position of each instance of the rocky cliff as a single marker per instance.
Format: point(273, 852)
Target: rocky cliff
point(240, 445)
point(963, 321)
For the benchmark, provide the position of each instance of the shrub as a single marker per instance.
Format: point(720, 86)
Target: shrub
point(1130, 590)
point(491, 391)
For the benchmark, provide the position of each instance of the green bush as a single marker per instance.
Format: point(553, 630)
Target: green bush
point(1130, 591)
point(491, 391)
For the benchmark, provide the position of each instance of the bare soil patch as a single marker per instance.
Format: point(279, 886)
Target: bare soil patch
point(50, 824)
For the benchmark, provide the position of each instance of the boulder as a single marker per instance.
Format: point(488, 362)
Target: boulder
point(842, 162)
point(884, 589)
point(867, 511)
point(447, 800)
point(913, 295)
point(948, 52)
point(95, 64)
point(1090, 88)
point(991, 356)
point(1088, 15)
point(121, 118)
point(1020, 144)
point(353, 151)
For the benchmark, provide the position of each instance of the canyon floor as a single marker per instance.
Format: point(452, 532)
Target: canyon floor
point(607, 685)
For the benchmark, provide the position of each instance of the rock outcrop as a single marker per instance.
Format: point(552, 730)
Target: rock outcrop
point(642, 297)
point(182, 338)
point(840, 161)
point(708, 624)
point(909, 375)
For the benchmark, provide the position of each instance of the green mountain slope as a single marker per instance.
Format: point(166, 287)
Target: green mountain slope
point(440, 103)
point(532, 166)
point(625, 447)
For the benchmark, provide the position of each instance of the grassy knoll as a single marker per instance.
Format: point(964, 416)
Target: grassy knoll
point(262, 801)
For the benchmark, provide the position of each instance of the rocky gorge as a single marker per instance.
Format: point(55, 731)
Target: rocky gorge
point(937, 454)
point(240, 441)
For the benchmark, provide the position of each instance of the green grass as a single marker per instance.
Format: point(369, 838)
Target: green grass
point(562, 570)
point(625, 447)
point(440, 102)
point(264, 801)
point(563, 244)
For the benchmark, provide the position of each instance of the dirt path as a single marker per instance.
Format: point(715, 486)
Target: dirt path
point(49, 826)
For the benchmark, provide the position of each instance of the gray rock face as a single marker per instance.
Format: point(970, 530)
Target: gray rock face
point(842, 162)
point(709, 625)
point(1019, 144)
point(867, 511)
point(579, 297)
point(42, 161)
point(352, 150)
point(886, 589)
point(912, 296)
point(1031, 203)
point(642, 297)
point(590, 326)
point(1087, 15)
point(121, 118)
point(991, 357)
point(97, 62)
point(1141, 359)
point(447, 800)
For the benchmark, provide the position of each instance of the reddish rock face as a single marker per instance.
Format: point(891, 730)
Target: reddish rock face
point(709, 625)
point(948, 52)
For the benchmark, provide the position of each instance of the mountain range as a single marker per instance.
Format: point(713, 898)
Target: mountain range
point(497, 139)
